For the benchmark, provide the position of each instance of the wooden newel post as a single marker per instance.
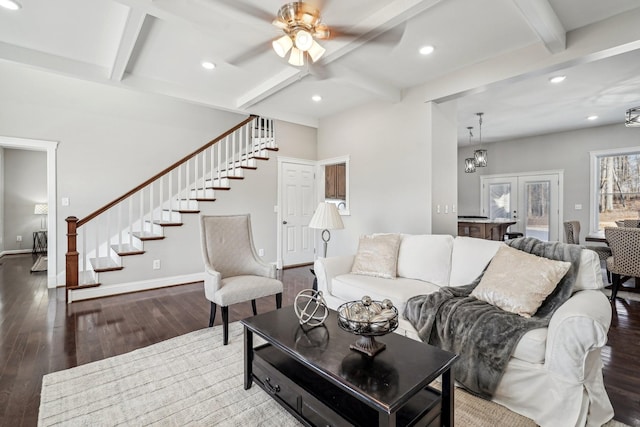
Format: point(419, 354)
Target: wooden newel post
point(71, 269)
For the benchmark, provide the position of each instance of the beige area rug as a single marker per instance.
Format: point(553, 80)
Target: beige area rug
point(193, 380)
point(40, 264)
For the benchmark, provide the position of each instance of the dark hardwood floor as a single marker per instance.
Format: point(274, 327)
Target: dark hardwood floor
point(39, 333)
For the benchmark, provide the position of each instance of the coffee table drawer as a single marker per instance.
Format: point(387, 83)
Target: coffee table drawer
point(294, 398)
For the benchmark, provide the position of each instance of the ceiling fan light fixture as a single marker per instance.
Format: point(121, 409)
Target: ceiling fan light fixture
point(322, 32)
point(316, 51)
point(279, 23)
point(304, 40)
point(297, 57)
point(282, 45)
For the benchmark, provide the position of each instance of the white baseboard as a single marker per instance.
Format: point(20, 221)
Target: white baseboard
point(123, 288)
point(15, 252)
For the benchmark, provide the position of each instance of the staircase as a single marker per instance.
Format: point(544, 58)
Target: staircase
point(98, 243)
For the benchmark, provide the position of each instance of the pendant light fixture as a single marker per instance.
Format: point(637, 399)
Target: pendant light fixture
point(632, 117)
point(470, 162)
point(480, 156)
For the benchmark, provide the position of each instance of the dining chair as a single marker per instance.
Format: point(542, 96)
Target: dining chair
point(572, 235)
point(233, 271)
point(625, 261)
point(631, 222)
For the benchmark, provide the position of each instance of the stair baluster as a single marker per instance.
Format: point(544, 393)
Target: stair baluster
point(117, 230)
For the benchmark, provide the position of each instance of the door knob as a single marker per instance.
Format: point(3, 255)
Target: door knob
point(284, 222)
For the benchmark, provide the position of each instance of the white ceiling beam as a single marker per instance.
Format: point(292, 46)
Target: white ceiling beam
point(128, 41)
point(544, 22)
point(612, 36)
point(382, 20)
point(274, 84)
point(52, 63)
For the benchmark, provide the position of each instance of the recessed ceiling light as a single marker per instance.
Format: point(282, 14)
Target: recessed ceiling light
point(10, 4)
point(206, 64)
point(427, 50)
point(593, 117)
point(557, 79)
point(316, 98)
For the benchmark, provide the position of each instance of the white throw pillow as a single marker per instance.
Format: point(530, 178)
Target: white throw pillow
point(377, 256)
point(425, 257)
point(469, 258)
point(519, 282)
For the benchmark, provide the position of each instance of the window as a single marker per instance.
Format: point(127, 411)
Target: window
point(335, 185)
point(615, 177)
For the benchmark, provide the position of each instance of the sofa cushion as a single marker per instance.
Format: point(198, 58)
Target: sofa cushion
point(351, 287)
point(425, 257)
point(518, 282)
point(532, 346)
point(590, 272)
point(377, 256)
point(469, 258)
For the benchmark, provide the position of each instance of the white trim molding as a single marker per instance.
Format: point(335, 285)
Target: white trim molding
point(52, 220)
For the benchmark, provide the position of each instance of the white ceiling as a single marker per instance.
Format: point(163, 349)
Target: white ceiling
point(158, 46)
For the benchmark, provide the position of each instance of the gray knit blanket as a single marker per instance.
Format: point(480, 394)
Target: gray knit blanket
point(483, 335)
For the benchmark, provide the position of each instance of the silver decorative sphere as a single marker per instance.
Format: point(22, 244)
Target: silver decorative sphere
point(310, 307)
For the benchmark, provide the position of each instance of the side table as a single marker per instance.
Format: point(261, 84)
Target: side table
point(39, 242)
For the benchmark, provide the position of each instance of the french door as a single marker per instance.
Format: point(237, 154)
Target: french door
point(532, 200)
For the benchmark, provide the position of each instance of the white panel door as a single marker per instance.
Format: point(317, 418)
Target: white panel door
point(298, 204)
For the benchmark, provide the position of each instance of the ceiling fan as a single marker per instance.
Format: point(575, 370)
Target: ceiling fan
point(301, 23)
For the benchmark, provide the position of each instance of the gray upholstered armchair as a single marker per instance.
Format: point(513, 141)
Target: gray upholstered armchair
point(572, 235)
point(625, 245)
point(233, 271)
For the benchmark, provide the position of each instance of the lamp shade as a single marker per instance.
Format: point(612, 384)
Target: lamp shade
point(41, 209)
point(326, 217)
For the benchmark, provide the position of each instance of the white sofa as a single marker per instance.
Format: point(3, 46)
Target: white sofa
point(555, 374)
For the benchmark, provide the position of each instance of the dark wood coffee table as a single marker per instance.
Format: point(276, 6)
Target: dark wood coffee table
point(313, 374)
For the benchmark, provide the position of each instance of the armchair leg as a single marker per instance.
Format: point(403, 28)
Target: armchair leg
point(225, 325)
point(253, 307)
point(278, 300)
point(212, 316)
point(615, 286)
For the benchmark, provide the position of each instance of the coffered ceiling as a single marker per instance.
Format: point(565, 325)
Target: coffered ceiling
point(158, 46)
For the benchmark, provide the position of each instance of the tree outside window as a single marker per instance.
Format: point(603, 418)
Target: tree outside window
point(619, 188)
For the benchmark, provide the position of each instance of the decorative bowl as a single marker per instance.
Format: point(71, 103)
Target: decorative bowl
point(368, 319)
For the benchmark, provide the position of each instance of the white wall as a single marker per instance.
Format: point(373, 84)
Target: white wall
point(390, 168)
point(443, 135)
point(26, 171)
point(568, 151)
point(112, 139)
point(1, 199)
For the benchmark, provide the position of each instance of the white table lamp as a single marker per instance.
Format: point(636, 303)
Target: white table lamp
point(42, 209)
point(325, 218)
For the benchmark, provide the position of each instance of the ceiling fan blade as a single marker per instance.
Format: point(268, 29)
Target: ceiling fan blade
point(393, 36)
point(319, 70)
point(248, 9)
point(249, 54)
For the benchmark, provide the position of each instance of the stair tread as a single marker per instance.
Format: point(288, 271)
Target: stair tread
point(167, 223)
point(104, 264)
point(188, 211)
point(146, 235)
point(272, 149)
point(84, 285)
point(126, 249)
point(204, 199)
point(260, 158)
